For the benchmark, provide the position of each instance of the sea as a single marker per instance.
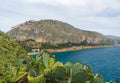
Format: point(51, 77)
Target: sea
point(104, 60)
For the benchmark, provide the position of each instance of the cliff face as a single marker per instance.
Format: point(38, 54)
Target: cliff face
point(54, 32)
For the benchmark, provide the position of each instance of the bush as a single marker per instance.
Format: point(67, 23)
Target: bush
point(44, 69)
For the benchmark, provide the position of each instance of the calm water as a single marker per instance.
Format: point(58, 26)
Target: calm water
point(105, 61)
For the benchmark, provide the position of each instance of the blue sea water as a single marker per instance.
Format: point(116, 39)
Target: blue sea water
point(105, 60)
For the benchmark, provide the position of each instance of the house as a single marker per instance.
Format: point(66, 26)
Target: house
point(36, 50)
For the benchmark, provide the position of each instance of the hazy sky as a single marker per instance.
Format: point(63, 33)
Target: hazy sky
point(96, 15)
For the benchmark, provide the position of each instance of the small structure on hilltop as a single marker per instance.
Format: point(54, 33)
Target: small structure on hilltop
point(32, 21)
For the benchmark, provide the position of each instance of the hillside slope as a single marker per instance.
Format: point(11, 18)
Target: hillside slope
point(9, 47)
point(10, 51)
point(115, 38)
point(54, 34)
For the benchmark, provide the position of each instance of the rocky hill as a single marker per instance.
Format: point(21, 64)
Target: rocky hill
point(54, 34)
point(115, 38)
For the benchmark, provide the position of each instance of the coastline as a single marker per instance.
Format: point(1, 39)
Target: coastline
point(73, 48)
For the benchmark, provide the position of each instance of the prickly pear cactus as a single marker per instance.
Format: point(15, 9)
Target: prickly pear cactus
point(76, 68)
point(51, 62)
point(79, 77)
point(32, 73)
point(56, 75)
point(87, 68)
point(68, 67)
point(46, 57)
point(98, 79)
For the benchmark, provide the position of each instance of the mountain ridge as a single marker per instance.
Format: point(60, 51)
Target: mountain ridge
point(116, 39)
point(55, 33)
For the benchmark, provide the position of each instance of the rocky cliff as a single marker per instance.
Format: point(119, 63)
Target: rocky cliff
point(55, 32)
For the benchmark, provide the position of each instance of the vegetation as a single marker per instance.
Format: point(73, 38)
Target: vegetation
point(16, 67)
point(44, 69)
point(8, 46)
point(28, 45)
point(9, 54)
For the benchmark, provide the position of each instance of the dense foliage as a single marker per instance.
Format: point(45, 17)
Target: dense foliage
point(28, 45)
point(44, 69)
point(9, 53)
point(8, 46)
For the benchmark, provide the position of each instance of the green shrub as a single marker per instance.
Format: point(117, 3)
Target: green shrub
point(44, 69)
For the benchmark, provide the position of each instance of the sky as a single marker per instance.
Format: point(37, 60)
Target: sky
point(95, 15)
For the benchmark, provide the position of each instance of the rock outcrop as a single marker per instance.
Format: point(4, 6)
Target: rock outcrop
point(55, 32)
